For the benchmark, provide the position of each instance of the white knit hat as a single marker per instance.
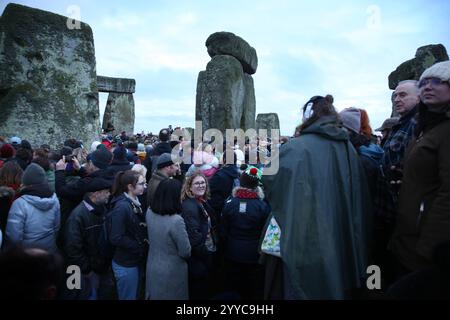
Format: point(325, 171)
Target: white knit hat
point(439, 70)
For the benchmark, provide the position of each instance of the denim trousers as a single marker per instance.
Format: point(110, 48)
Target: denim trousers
point(127, 279)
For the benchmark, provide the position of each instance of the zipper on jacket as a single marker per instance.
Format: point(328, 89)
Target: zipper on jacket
point(421, 212)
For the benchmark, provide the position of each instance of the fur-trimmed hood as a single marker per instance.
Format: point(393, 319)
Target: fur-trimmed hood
point(245, 193)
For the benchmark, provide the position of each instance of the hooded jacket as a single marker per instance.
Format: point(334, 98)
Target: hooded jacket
point(319, 197)
point(34, 219)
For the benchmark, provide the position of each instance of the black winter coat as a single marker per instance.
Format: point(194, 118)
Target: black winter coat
point(197, 229)
point(243, 220)
point(221, 186)
point(75, 191)
point(81, 234)
point(128, 232)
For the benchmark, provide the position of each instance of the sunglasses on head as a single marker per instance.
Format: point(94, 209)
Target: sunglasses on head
point(433, 81)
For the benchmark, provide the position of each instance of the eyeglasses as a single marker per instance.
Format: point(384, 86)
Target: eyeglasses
point(433, 81)
point(198, 184)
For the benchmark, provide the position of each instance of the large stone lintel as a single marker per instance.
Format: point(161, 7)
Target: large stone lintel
point(117, 85)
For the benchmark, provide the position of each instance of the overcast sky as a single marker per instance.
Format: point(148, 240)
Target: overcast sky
point(305, 48)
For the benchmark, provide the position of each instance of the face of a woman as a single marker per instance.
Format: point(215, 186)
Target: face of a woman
point(435, 95)
point(198, 186)
point(139, 188)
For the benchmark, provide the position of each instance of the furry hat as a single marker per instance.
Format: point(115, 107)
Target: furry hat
point(439, 70)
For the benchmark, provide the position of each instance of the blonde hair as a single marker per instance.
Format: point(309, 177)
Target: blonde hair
point(140, 169)
point(186, 191)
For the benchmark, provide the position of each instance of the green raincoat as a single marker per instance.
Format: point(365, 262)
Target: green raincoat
point(320, 199)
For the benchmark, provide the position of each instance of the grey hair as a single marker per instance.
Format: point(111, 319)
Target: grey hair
point(414, 82)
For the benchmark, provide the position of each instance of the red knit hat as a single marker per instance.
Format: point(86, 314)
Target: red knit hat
point(250, 178)
point(6, 151)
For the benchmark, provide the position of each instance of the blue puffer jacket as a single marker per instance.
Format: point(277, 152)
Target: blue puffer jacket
point(34, 220)
point(243, 219)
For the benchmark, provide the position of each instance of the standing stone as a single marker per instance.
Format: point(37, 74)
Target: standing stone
point(412, 69)
point(119, 111)
point(225, 91)
point(267, 121)
point(227, 43)
point(249, 112)
point(221, 94)
point(48, 81)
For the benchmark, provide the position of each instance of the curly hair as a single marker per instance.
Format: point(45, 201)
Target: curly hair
point(11, 174)
point(366, 129)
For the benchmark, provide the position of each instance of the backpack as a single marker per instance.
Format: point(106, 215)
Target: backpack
point(105, 247)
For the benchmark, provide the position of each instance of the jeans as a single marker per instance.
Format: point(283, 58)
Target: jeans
point(127, 279)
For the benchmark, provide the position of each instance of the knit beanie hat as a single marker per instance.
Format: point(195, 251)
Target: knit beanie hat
point(33, 175)
point(439, 70)
point(351, 119)
point(120, 153)
point(101, 158)
point(164, 160)
point(251, 178)
point(6, 151)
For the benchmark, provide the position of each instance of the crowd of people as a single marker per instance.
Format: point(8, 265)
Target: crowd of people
point(141, 224)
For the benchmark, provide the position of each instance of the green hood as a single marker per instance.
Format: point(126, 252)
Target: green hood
point(327, 127)
point(320, 200)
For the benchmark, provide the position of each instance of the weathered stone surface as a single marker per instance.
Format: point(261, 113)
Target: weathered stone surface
point(220, 94)
point(249, 112)
point(425, 57)
point(224, 95)
point(118, 85)
point(48, 81)
point(227, 43)
point(267, 121)
point(119, 113)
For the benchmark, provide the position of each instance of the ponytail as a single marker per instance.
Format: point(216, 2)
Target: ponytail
point(122, 180)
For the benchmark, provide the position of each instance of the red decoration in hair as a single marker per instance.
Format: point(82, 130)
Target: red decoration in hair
point(253, 171)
